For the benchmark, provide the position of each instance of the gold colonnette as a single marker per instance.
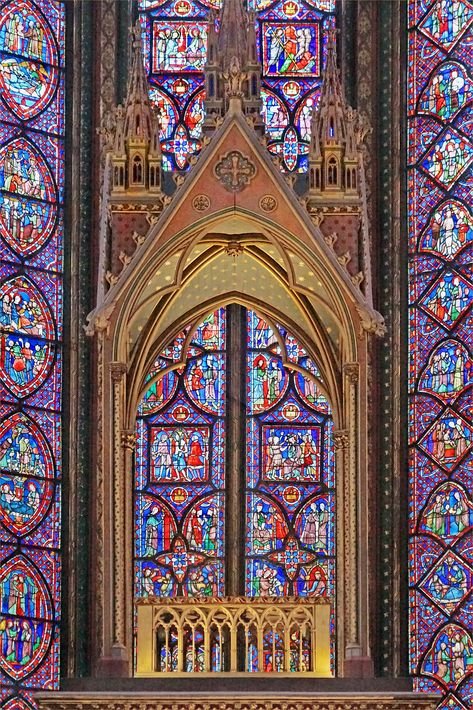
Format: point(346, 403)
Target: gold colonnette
point(231, 635)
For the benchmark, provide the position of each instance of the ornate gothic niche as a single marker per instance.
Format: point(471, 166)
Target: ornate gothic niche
point(219, 243)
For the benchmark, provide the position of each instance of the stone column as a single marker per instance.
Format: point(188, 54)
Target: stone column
point(119, 652)
point(343, 552)
point(357, 662)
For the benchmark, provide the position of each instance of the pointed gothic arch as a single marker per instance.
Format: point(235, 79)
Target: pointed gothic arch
point(126, 353)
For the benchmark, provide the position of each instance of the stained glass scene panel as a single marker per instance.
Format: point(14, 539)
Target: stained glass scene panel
point(31, 191)
point(440, 156)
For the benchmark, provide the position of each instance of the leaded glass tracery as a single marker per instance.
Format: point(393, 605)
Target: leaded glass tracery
point(441, 292)
point(31, 227)
point(291, 39)
point(284, 482)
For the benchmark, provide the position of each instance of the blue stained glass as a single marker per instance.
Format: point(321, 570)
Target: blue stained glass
point(31, 187)
point(180, 468)
point(440, 155)
point(291, 37)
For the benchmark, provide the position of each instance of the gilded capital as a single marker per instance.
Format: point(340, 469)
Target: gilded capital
point(117, 370)
point(352, 371)
point(128, 439)
point(341, 438)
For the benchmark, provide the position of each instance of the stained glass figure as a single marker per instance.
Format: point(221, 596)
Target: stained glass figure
point(286, 475)
point(448, 231)
point(448, 158)
point(291, 40)
point(179, 47)
point(441, 429)
point(290, 49)
point(29, 61)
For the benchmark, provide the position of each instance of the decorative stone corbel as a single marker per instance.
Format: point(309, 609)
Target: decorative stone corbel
point(371, 323)
point(100, 323)
point(128, 439)
point(341, 439)
point(234, 249)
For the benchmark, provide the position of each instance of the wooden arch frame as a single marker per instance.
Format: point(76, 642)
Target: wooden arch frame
point(119, 381)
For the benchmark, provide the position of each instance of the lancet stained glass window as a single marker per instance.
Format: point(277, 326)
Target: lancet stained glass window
point(31, 261)
point(440, 155)
point(286, 476)
point(291, 38)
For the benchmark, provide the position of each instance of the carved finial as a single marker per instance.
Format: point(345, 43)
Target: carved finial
point(371, 322)
point(100, 322)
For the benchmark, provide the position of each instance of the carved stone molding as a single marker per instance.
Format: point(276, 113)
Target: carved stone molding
point(235, 171)
point(105, 701)
point(201, 203)
point(268, 203)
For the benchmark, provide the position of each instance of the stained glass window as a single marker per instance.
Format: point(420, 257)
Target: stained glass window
point(291, 38)
point(440, 155)
point(180, 504)
point(31, 260)
point(285, 473)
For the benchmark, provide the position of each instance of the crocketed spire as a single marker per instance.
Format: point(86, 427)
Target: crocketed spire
point(337, 133)
point(232, 70)
point(233, 34)
point(140, 120)
point(136, 154)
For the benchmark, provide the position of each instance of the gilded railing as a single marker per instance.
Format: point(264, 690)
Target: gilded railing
point(233, 635)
